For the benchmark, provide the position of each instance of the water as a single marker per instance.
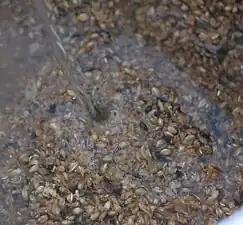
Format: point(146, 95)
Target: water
point(22, 56)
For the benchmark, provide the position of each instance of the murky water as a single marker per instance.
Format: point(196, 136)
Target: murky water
point(21, 53)
point(203, 112)
point(20, 58)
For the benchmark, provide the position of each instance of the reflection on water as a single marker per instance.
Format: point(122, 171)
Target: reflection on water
point(195, 101)
point(202, 111)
